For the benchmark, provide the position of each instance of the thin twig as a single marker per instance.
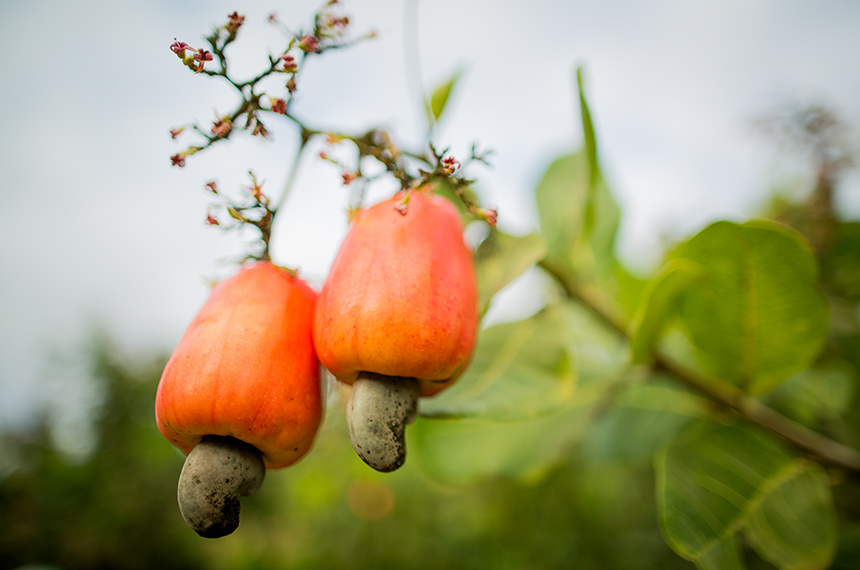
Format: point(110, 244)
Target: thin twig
point(291, 177)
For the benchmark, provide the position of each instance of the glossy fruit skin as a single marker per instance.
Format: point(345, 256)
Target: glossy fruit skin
point(246, 368)
point(401, 298)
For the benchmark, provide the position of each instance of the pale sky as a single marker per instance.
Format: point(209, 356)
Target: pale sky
point(101, 231)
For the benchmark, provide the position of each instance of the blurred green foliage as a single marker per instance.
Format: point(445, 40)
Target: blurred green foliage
point(579, 491)
point(543, 456)
point(110, 509)
point(116, 507)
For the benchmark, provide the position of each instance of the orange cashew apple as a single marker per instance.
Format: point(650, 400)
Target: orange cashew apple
point(397, 317)
point(241, 392)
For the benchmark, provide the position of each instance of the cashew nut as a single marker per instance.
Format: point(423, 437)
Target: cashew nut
point(216, 473)
point(378, 410)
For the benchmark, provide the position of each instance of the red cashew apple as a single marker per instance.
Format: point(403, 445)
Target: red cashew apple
point(397, 317)
point(241, 392)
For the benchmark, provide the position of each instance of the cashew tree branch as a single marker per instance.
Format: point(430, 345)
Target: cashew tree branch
point(722, 392)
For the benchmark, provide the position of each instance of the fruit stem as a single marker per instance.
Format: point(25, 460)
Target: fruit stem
point(216, 473)
point(378, 410)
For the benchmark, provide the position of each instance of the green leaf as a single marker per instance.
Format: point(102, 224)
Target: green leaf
point(490, 443)
point(818, 396)
point(520, 370)
point(849, 548)
point(578, 215)
point(562, 196)
point(466, 452)
point(841, 266)
point(644, 418)
point(660, 305)
point(723, 555)
point(795, 526)
point(440, 96)
point(600, 355)
point(594, 173)
point(501, 258)
point(627, 290)
point(757, 314)
point(718, 480)
point(596, 254)
point(444, 188)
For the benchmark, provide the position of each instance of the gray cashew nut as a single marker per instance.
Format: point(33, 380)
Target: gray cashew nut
point(378, 410)
point(216, 473)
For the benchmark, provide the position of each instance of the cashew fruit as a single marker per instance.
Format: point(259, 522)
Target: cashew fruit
point(245, 377)
point(401, 302)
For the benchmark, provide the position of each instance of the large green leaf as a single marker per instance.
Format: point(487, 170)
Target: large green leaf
point(841, 266)
point(563, 197)
point(642, 420)
point(723, 555)
point(501, 258)
point(600, 354)
point(795, 526)
point(818, 396)
point(468, 452)
point(659, 305)
point(520, 370)
point(720, 480)
point(757, 314)
point(523, 417)
point(848, 555)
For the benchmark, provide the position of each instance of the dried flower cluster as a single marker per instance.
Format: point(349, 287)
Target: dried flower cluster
point(329, 31)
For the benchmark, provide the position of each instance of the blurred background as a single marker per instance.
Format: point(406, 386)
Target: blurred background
point(106, 258)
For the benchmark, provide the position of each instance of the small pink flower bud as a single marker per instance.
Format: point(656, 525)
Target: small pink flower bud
point(175, 132)
point(403, 206)
point(236, 214)
point(256, 188)
point(348, 177)
point(338, 24)
point(212, 187)
point(279, 106)
point(291, 85)
point(211, 220)
point(179, 48)
point(202, 56)
point(260, 130)
point(222, 127)
point(450, 165)
point(489, 215)
point(178, 160)
point(235, 22)
point(289, 63)
point(273, 18)
point(309, 43)
point(352, 212)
